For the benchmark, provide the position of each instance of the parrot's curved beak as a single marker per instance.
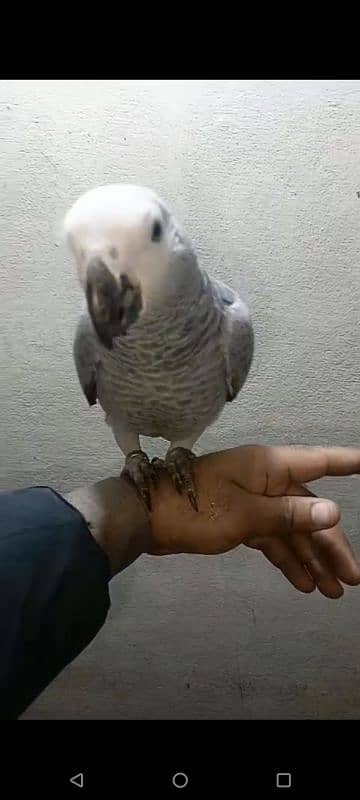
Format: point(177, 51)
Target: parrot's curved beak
point(113, 306)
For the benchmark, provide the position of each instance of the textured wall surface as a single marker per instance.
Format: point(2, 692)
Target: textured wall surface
point(265, 176)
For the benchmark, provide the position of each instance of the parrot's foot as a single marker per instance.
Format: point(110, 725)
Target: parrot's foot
point(130, 302)
point(179, 463)
point(142, 473)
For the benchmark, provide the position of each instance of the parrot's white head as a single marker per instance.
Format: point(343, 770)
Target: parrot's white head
point(124, 236)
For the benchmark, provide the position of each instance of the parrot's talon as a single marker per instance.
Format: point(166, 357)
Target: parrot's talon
point(179, 486)
point(179, 465)
point(139, 470)
point(193, 500)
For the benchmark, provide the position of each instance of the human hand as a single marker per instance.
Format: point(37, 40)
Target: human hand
point(256, 496)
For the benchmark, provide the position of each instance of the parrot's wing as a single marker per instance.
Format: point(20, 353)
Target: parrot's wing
point(84, 351)
point(238, 338)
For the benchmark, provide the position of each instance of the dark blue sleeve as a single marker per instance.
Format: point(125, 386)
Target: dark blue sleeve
point(54, 594)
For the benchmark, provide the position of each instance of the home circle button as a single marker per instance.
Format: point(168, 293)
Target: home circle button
point(180, 780)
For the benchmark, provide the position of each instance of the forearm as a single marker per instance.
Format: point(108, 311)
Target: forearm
point(54, 575)
point(53, 592)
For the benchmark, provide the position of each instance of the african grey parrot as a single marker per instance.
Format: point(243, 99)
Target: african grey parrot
point(161, 345)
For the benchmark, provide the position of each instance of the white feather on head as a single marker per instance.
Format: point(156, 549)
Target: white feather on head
point(131, 230)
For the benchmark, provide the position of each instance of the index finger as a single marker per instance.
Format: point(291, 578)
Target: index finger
point(304, 464)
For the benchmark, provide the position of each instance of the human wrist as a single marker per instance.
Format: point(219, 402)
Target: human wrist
point(116, 518)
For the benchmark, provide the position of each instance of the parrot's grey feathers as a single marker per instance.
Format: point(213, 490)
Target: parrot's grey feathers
point(84, 351)
point(238, 338)
point(228, 296)
point(189, 340)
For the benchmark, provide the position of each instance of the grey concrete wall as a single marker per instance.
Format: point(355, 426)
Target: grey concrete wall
point(265, 176)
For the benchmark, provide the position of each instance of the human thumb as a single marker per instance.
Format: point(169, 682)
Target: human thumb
point(290, 514)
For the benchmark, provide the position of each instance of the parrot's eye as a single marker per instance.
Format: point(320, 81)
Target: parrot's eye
point(156, 232)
